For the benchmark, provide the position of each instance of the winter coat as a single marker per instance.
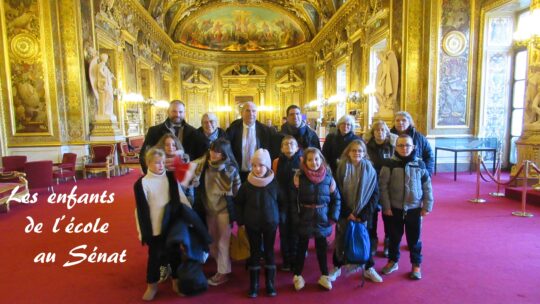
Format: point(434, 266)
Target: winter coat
point(316, 206)
point(155, 133)
point(405, 185)
point(334, 145)
point(378, 152)
point(172, 208)
point(257, 207)
point(422, 147)
point(200, 142)
point(305, 136)
point(284, 168)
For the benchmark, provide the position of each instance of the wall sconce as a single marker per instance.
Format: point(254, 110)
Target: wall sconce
point(161, 104)
point(325, 102)
point(265, 108)
point(355, 97)
point(133, 97)
point(528, 29)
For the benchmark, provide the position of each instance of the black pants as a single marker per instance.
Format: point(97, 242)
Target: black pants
point(337, 257)
point(265, 237)
point(288, 239)
point(412, 222)
point(320, 246)
point(159, 255)
point(373, 231)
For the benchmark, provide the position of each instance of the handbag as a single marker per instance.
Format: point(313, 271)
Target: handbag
point(239, 247)
point(357, 244)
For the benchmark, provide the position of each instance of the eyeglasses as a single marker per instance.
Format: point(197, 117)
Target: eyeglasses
point(405, 146)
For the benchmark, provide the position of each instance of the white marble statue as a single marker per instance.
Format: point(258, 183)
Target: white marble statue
point(386, 82)
point(532, 101)
point(101, 79)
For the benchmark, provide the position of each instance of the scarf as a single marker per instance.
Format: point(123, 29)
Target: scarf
point(406, 159)
point(261, 181)
point(213, 136)
point(314, 176)
point(357, 192)
point(297, 133)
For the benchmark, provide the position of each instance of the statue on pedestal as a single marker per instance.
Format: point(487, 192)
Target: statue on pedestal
point(532, 102)
point(101, 79)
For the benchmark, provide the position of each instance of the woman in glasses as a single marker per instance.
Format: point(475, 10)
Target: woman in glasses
point(335, 143)
point(406, 197)
point(404, 124)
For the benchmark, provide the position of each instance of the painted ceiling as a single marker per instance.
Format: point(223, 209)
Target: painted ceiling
point(241, 25)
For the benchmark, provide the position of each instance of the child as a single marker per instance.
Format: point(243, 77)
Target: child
point(357, 183)
point(284, 167)
point(218, 180)
point(406, 197)
point(318, 203)
point(157, 200)
point(173, 149)
point(257, 208)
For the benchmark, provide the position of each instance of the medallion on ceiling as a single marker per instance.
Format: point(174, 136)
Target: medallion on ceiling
point(241, 28)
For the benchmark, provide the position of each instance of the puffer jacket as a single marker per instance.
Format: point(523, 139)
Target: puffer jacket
point(334, 145)
point(257, 207)
point(422, 148)
point(405, 185)
point(316, 206)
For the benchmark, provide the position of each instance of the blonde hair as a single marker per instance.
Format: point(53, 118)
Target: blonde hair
point(357, 142)
point(375, 125)
point(313, 151)
point(406, 115)
point(152, 153)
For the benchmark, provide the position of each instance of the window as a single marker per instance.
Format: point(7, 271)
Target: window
point(341, 90)
point(320, 95)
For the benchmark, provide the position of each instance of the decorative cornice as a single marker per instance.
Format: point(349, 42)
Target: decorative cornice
point(146, 22)
point(335, 23)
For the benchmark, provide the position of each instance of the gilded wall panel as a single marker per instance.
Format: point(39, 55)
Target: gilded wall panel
point(130, 69)
point(452, 106)
point(74, 127)
point(30, 91)
point(356, 67)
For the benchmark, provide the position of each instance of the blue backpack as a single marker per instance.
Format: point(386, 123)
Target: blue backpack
point(357, 244)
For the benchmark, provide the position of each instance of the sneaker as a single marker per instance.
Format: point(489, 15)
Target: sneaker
point(415, 274)
point(389, 268)
point(350, 269)
point(298, 282)
point(334, 274)
point(164, 273)
point(372, 275)
point(218, 279)
point(325, 282)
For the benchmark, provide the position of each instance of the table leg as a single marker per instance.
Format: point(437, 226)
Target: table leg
point(435, 171)
point(494, 160)
point(455, 166)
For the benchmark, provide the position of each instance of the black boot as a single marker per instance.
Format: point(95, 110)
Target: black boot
point(253, 281)
point(270, 273)
point(386, 243)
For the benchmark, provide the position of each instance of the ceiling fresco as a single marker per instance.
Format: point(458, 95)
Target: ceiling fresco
point(230, 28)
point(241, 25)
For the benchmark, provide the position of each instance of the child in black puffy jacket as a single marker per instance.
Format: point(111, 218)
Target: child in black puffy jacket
point(257, 209)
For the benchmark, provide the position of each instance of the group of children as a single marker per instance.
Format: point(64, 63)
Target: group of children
point(296, 193)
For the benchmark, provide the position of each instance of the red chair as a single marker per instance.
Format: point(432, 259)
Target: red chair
point(101, 159)
point(39, 174)
point(127, 159)
point(13, 163)
point(66, 168)
point(8, 182)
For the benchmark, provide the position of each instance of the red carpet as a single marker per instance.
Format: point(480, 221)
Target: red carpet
point(472, 254)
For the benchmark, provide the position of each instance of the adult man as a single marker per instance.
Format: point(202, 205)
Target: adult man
point(174, 124)
point(298, 129)
point(205, 135)
point(247, 135)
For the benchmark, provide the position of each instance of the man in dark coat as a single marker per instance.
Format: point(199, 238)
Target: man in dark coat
point(174, 124)
point(298, 129)
point(205, 135)
point(404, 124)
point(247, 135)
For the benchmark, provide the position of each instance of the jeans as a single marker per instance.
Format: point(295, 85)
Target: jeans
point(159, 255)
point(412, 222)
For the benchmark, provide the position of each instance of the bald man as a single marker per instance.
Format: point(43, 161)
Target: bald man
point(247, 134)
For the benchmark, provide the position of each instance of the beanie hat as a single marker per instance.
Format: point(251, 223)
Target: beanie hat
point(262, 156)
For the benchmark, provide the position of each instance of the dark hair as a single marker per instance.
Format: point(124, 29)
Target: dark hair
point(288, 137)
point(313, 150)
point(223, 146)
point(292, 107)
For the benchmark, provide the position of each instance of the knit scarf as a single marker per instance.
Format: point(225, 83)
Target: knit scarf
point(315, 176)
point(261, 181)
point(360, 191)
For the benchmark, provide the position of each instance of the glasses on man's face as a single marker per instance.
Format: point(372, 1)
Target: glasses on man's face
point(405, 146)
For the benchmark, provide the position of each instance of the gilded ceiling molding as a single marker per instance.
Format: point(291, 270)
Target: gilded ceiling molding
point(336, 22)
point(146, 23)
